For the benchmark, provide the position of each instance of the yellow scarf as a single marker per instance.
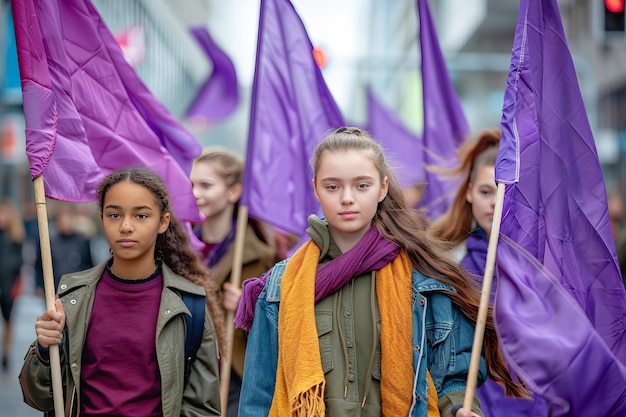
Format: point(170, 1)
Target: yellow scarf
point(300, 382)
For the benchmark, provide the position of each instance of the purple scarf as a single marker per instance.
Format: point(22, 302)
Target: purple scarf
point(371, 253)
point(475, 259)
point(218, 252)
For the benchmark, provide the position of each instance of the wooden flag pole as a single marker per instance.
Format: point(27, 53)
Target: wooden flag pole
point(235, 280)
point(485, 294)
point(49, 290)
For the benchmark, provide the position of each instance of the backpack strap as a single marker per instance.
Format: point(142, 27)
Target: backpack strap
point(194, 328)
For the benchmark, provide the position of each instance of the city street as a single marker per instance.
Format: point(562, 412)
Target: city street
point(25, 311)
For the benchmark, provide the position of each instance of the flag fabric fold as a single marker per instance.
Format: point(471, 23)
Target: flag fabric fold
point(87, 112)
point(560, 306)
point(219, 96)
point(563, 359)
point(445, 125)
point(292, 110)
point(403, 148)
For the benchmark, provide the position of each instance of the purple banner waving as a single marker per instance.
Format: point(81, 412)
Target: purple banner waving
point(292, 111)
point(219, 96)
point(87, 111)
point(551, 344)
point(556, 204)
point(402, 147)
point(445, 126)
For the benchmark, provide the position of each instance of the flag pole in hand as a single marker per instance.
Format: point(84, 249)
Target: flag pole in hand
point(48, 281)
point(479, 332)
point(235, 280)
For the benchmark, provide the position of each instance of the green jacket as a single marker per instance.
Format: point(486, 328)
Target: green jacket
point(201, 396)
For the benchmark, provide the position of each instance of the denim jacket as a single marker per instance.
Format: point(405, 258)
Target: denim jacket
point(442, 342)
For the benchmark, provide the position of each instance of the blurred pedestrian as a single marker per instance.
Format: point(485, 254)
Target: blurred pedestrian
point(11, 241)
point(71, 250)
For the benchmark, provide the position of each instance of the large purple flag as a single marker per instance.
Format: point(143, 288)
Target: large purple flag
point(219, 96)
point(87, 111)
point(445, 125)
point(561, 304)
point(292, 111)
point(556, 204)
point(402, 147)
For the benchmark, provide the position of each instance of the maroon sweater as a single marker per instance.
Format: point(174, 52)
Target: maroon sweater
point(120, 373)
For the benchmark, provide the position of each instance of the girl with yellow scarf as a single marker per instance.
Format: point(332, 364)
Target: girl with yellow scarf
point(366, 318)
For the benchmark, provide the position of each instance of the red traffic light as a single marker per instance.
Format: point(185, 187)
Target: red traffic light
point(614, 17)
point(320, 56)
point(614, 6)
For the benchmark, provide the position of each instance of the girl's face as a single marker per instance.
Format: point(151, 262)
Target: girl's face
point(481, 194)
point(132, 221)
point(212, 194)
point(348, 186)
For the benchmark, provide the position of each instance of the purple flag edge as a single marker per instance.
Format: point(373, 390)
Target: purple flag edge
point(247, 180)
point(507, 163)
point(224, 75)
point(38, 83)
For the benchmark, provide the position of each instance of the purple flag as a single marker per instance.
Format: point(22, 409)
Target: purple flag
point(550, 343)
point(219, 96)
point(292, 111)
point(445, 126)
point(560, 306)
point(87, 112)
point(402, 147)
point(556, 204)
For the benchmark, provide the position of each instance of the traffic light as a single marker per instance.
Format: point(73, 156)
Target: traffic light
point(614, 18)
